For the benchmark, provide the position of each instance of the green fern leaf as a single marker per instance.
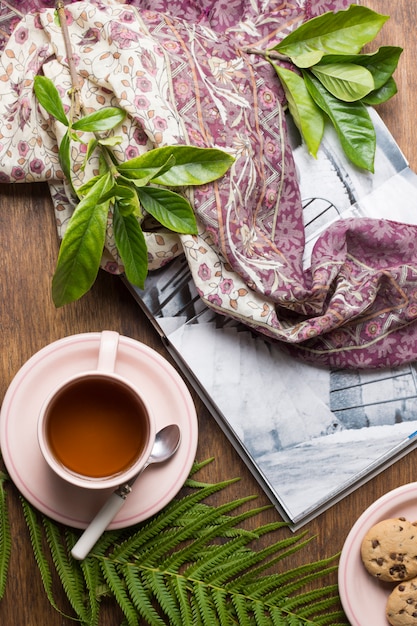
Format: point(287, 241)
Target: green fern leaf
point(35, 533)
point(180, 587)
point(166, 520)
point(331, 619)
point(278, 619)
point(204, 603)
point(156, 582)
point(111, 575)
point(311, 602)
point(220, 599)
point(243, 615)
point(91, 572)
point(140, 597)
point(197, 467)
point(301, 576)
point(191, 564)
point(71, 577)
point(260, 614)
point(5, 536)
point(189, 531)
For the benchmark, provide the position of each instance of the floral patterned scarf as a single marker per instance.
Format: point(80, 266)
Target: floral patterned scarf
point(179, 70)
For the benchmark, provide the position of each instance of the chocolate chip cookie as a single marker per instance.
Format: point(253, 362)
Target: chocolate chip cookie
point(389, 550)
point(402, 604)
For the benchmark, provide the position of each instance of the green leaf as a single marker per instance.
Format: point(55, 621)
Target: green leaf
point(346, 81)
point(351, 121)
point(65, 157)
point(126, 197)
point(116, 140)
point(141, 170)
point(306, 114)
point(193, 166)
point(91, 572)
point(5, 539)
point(49, 98)
point(99, 121)
point(131, 246)
point(35, 532)
point(86, 187)
point(119, 191)
point(111, 574)
point(343, 32)
point(82, 246)
point(382, 94)
point(70, 576)
point(381, 63)
point(169, 208)
point(91, 146)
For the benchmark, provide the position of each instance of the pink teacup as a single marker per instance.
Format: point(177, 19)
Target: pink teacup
point(95, 429)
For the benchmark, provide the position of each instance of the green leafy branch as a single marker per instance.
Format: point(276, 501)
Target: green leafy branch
point(127, 191)
point(122, 194)
point(191, 564)
point(331, 79)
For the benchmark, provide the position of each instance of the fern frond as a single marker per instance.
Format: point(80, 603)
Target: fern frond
point(223, 563)
point(141, 598)
point(220, 599)
point(68, 570)
point(209, 530)
point(202, 509)
point(300, 576)
point(166, 519)
point(204, 604)
point(190, 530)
point(193, 564)
point(5, 536)
point(159, 583)
point(197, 466)
point(35, 534)
point(309, 602)
point(116, 585)
point(260, 614)
point(252, 581)
point(180, 588)
point(331, 619)
point(240, 604)
point(93, 582)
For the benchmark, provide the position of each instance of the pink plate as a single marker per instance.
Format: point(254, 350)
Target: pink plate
point(161, 386)
point(364, 597)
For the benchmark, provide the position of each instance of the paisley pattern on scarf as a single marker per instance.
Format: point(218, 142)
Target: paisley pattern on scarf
point(180, 71)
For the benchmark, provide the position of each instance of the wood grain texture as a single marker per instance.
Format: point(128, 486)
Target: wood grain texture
point(29, 321)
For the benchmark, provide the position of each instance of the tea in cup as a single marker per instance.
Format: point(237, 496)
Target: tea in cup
point(95, 430)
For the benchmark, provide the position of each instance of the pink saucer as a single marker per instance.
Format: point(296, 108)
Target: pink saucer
point(161, 386)
point(364, 597)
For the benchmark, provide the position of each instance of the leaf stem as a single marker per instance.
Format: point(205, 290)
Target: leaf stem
point(267, 54)
point(76, 104)
point(75, 91)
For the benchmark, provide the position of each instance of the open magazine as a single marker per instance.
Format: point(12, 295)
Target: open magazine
point(310, 435)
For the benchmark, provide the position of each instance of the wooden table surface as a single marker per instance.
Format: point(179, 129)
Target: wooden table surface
point(29, 321)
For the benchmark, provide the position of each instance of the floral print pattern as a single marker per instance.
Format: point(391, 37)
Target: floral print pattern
point(180, 71)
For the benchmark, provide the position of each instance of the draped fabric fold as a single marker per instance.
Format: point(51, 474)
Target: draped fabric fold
point(180, 71)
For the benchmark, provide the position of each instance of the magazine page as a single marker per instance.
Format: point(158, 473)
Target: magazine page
point(311, 433)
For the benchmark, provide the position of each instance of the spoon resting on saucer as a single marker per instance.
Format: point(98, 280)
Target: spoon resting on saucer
point(166, 444)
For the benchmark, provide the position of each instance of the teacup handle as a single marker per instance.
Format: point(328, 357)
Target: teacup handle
point(109, 343)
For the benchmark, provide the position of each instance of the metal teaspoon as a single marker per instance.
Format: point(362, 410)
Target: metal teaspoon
point(166, 444)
